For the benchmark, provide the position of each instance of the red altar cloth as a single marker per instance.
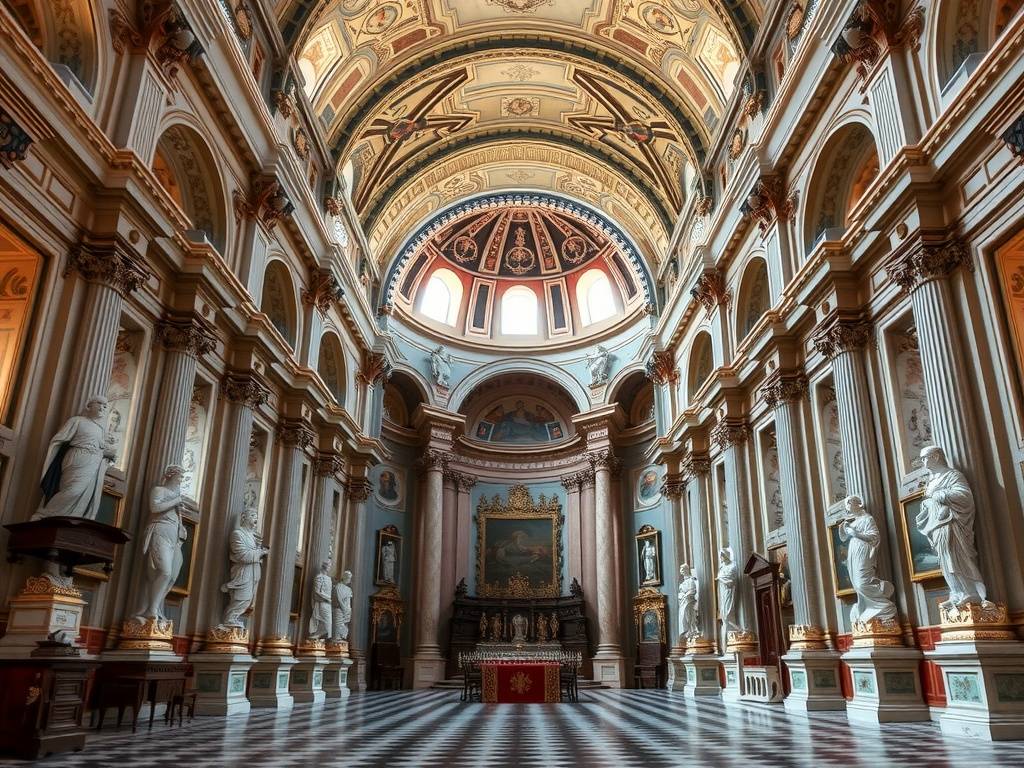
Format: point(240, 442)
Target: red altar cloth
point(521, 682)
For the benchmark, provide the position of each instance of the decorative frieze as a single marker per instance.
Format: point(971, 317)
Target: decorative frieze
point(107, 263)
point(661, 367)
point(727, 434)
point(929, 261)
point(191, 336)
point(711, 290)
point(324, 290)
point(838, 336)
point(296, 433)
point(14, 142)
point(780, 389)
point(245, 389)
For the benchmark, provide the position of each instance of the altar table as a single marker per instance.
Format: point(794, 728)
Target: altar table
point(520, 682)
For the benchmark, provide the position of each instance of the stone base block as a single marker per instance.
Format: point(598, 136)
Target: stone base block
point(427, 670)
point(814, 681)
point(984, 688)
point(307, 680)
point(271, 682)
point(762, 684)
point(336, 678)
point(886, 685)
point(33, 617)
point(220, 682)
point(357, 672)
point(733, 663)
point(676, 674)
point(702, 678)
point(610, 671)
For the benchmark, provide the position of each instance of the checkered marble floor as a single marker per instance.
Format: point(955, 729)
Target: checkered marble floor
point(606, 728)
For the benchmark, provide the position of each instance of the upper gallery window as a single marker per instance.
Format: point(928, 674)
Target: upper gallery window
point(519, 311)
point(595, 297)
point(442, 297)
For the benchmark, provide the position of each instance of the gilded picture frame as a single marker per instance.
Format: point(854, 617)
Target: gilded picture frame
point(922, 562)
point(183, 584)
point(519, 545)
point(837, 552)
point(648, 538)
point(388, 563)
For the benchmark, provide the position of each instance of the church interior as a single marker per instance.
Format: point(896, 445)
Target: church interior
point(512, 382)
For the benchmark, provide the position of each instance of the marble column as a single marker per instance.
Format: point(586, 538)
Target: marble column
point(111, 273)
point(428, 663)
point(672, 489)
point(609, 666)
point(574, 544)
point(464, 516)
point(588, 535)
point(323, 524)
point(357, 549)
point(446, 592)
point(704, 562)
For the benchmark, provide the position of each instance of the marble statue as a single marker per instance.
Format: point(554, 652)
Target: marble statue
point(599, 366)
point(947, 520)
point(496, 627)
point(320, 616)
point(161, 544)
point(649, 557)
point(688, 590)
point(520, 626)
point(76, 464)
point(553, 623)
point(728, 579)
point(542, 628)
point(342, 607)
point(441, 366)
point(246, 554)
point(873, 593)
point(388, 556)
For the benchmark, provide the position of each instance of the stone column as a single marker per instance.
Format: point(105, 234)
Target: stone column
point(322, 526)
point(358, 548)
point(672, 489)
point(574, 543)
point(609, 664)
point(428, 663)
point(112, 273)
point(446, 591)
point(464, 515)
point(696, 469)
point(588, 534)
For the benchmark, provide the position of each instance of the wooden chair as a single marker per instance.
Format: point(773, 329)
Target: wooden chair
point(649, 664)
point(568, 676)
point(386, 666)
point(472, 682)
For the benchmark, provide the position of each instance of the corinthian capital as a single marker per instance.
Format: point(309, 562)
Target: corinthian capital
point(324, 290)
point(376, 369)
point(661, 368)
point(780, 389)
point(460, 480)
point(604, 459)
point(695, 465)
point(928, 261)
point(359, 490)
point(244, 388)
point(107, 263)
point(672, 487)
point(189, 335)
point(711, 291)
point(296, 433)
point(727, 434)
point(432, 458)
point(329, 464)
point(837, 336)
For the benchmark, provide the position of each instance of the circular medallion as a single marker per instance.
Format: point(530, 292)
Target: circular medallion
point(519, 106)
point(574, 249)
point(464, 249)
point(659, 18)
point(519, 260)
point(382, 19)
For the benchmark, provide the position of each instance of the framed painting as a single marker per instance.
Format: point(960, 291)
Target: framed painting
point(183, 584)
point(648, 557)
point(838, 550)
point(519, 421)
point(389, 489)
point(389, 556)
point(519, 545)
point(780, 556)
point(296, 603)
point(111, 512)
point(922, 560)
point(648, 486)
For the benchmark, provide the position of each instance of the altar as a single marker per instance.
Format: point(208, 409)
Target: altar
point(521, 682)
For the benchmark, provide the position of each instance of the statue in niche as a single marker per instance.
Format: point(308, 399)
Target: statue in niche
point(161, 544)
point(441, 366)
point(76, 464)
point(553, 623)
point(599, 366)
point(688, 591)
point(520, 626)
point(342, 614)
point(321, 615)
point(873, 593)
point(483, 626)
point(496, 629)
point(947, 520)
point(650, 561)
point(246, 553)
point(728, 579)
point(388, 558)
point(542, 628)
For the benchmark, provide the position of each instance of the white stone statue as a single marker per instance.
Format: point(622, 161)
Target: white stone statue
point(599, 365)
point(76, 464)
point(342, 607)
point(246, 552)
point(320, 617)
point(873, 593)
point(161, 543)
point(688, 607)
point(520, 626)
point(441, 366)
point(388, 557)
point(947, 519)
point(728, 579)
point(649, 556)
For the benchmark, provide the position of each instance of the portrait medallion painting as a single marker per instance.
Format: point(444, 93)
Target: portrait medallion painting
point(389, 554)
point(924, 562)
point(648, 557)
point(389, 489)
point(519, 546)
point(648, 487)
point(520, 420)
point(839, 550)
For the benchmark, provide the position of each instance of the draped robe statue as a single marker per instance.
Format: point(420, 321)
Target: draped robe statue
point(246, 553)
point(873, 593)
point(76, 464)
point(342, 607)
point(440, 366)
point(161, 544)
point(947, 520)
point(728, 579)
point(320, 617)
point(688, 592)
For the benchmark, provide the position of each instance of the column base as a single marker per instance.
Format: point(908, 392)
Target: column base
point(307, 679)
point(336, 678)
point(702, 677)
point(427, 669)
point(220, 682)
point(984, 683)
point(121, 654)
point(886, 685)
point(676, 674)
point(733, 663)
point(44, 606)
point(271, 682)
point(609, 669)
point(814, 681)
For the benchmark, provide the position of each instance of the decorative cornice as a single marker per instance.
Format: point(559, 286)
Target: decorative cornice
point(929, 261)
point(14, 141)
point(727, 434)
point(188, 335)
point(781, 389)
point(296, 433)
point(661, 367)
point(244, 388)
point(329, 465)
point(107, 263)
point(838, 335)
point(324, 290)
point(711, 290)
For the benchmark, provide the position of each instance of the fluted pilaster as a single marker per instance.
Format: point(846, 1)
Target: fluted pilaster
point(608, 640)
point(429, 576)
point(694, 480)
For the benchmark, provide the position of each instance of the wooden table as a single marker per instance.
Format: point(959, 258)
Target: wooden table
point(131, 684)
point(521, 682)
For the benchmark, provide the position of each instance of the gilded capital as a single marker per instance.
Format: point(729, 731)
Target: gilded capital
point(838, 336)
point(673, 487)
point(661, 367)
point(376, 369)
point(189, 335)
point(245, 389)
point(329, 464)
point(296, 433)
point(727, 434)
point(108, 264)
point(359, 490)
point(929, 261)
point(323, 291)
point(695, 465)
point(710, 290)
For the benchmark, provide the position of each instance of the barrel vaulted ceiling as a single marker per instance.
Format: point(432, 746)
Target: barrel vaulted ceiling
point(426, 102)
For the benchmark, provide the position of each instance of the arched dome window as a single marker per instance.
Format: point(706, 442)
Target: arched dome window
point(442, 297)
point(519, 312)
point(595, 298)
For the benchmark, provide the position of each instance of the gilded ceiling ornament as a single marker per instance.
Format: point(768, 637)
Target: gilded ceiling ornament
point(520, 72)
point(520, 259)
point(301, 143)
point(520, 6)
point(520, 106)
point(243, 20)
point(795, 21)
point(737, 144)
point(659, 19)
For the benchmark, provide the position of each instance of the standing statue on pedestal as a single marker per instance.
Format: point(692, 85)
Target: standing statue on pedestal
point(649, 555)
point(246, 552)
point(553, 623)
point(441, 366)
point(520, 626)
point(76, 464)
point(728, 579)
point(599, 366)
point(947, 519)
point(688, 590)
point(161, 544)
point(320, 615)
point(542, 628)
point(342, 607)
point(873, 593)
point(388, 558)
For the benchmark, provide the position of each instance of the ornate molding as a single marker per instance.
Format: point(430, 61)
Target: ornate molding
point(766, 202)
point(329, 465)
point(324, 290)
point(727, 434)
point(14, 141)
point(1013, 138)
point(359, 490)
point(929, 262)
point(781, 389)
point(244, 388)
point(837, 336)
point(376, 369)
point(296, 433)
point(695, 465)
point(661, 367)
point(189, 335)
point(107, 263)
point(711, 291)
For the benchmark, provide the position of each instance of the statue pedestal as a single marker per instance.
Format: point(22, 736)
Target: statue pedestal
point(676, 673)
point(149, 639)
point(427, 670)
point(886, 685)
point(733, 661)
point(609, 669)
point(220, 682)
point(984, 683)
point(307, 681)
point(702, 677)
point(41, 608)
point(271, 682)
point(814, 681)
point(336, 677)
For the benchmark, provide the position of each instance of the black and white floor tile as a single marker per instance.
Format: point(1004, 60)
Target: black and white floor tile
point(606, 728)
